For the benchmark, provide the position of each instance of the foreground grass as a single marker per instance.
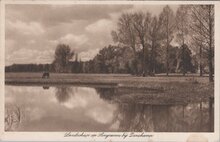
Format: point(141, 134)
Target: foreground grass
point(140, 89)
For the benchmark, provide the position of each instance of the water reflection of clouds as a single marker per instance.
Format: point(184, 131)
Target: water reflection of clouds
point(103, 115)
point(74, 99)
point(9, 99)
point(31, 106)
point(35, 113)
point(42, 108)
point(115, 125)
point(83, 97)
point(86, 109)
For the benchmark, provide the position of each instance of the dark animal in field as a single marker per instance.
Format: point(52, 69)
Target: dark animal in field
point(46, 87)
point(46, 75)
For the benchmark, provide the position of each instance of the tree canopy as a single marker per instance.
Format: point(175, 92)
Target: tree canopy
point(63, 54)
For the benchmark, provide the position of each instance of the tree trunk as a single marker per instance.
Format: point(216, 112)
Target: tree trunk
point(144, 58)
point(135, 58)
point(210, 48)
point(167, 48)
point(152, 60)
point(200, 61)
point(200, 53)
point(143, 73)
point(210, 67)
point(184, 60)
point(167, 61)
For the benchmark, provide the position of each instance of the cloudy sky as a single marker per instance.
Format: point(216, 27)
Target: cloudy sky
point(33, 31)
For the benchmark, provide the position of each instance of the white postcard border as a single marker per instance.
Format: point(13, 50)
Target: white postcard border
point(59, 136)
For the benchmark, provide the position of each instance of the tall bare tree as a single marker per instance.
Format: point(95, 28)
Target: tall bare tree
point(142, 24)
point(198, 38)
point(203, 28)
point(126, 34)
point(168, 20)
point(182, 32)
point(182, 23)
point(155, 37)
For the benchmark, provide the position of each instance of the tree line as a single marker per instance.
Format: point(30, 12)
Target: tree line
point(191, 28)
point(172, 42)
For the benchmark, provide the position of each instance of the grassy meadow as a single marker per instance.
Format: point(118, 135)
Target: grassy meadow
point(142, 89)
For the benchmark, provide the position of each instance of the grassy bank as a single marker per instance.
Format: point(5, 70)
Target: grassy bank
point(169, 89)
point(99, 78)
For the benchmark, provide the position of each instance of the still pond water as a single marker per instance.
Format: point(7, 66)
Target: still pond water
point(74, 108)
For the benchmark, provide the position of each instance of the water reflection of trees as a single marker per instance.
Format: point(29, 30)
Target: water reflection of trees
point(192, 117)
point(63, 93)
point(161, 118)
point(166, 118)
point(106, 93)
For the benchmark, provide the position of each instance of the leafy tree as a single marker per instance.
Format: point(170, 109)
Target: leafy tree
point(63, 54)
point(88, 67)
point(113, 59)
point(185, 59)
point(173, 58)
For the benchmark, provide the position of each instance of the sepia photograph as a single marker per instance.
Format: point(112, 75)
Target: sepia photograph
point(109, 68)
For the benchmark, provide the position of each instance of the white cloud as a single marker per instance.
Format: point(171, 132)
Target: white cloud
point(24, 56)
point(102, 26)
point(74, 39)
point(76, 101)
point(153, 9)
point(35, 113)
point(85, 35)
point(32, 28)
point(87, 55)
